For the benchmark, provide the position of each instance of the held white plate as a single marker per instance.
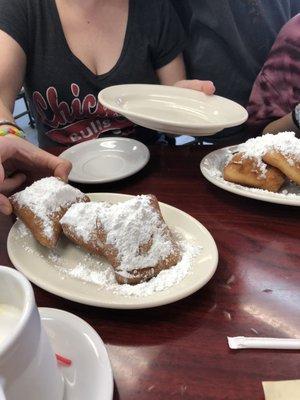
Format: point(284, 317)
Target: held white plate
point(173, 110)
point(90, 374)
point(33, 261)
point(106, 159)
point(212, 167)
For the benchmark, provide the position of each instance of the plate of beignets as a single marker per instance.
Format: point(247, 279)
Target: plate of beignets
point(265, 168)
point(116, 245)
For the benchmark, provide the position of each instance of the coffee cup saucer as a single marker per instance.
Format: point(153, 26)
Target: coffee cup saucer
point(90, 374)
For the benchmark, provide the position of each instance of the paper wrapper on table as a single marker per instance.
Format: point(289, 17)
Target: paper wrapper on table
point(242, 342)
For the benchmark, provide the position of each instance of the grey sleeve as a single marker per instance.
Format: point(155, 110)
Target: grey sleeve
point(168, 37)
point(295, 7)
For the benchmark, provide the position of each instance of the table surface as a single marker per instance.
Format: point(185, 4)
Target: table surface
point(180, 351)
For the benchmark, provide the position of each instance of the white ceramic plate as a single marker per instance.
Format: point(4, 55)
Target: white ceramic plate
point(106, 159)
point(90, 375)
point(212, 168)
point(173, 110)
point(33, 261)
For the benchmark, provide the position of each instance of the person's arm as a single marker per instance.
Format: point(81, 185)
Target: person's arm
point(12, 72)
point(167, 42)
point(174, 74)
point(274, 92)
point(283, 124)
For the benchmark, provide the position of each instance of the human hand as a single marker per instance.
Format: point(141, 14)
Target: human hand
point(19, 157)
point(206, 87)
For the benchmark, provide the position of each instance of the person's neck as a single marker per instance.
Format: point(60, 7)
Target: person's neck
point(87, 9)
point(87, 4)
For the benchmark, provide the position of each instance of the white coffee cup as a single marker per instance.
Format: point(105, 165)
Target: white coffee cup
point(28, 367)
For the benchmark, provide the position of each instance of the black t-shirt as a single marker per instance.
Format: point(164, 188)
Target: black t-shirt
point(229, 40)
point(62, 90)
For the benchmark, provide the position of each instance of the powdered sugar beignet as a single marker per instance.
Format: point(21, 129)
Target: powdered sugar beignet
point(289, 165)
point(132, 235)
point(41, 206)
point(264, 161)
point(247, 171)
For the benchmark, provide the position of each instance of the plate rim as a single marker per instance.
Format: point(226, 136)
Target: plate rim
point(107, 180)
point(46, 312)
point(157, 302)
point(240, 190)
point(191, 125)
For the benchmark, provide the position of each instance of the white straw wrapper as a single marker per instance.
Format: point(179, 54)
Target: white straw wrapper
point(242, 342)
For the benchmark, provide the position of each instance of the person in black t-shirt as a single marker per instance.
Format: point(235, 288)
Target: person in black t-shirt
point(228, 41)
point(66, 51)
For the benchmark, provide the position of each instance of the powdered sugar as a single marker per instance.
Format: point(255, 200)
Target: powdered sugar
point(101, 274)
point(83, 218)
point(166, 278)
point(22, 229)
point(128, 225)
point(46, 197)
point(90, 269)
point(288, 191)
point(284, 142)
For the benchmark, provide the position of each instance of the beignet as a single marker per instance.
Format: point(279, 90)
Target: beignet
point(245, 171)
point(286, 164)
point(41, 206)
point(132, 235)
point(264, 161)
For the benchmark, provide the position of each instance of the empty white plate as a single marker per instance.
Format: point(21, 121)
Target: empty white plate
point(173, 110)
point(90, 375)
point(106, 159)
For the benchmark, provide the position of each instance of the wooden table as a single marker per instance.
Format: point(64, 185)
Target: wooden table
point(180, 351)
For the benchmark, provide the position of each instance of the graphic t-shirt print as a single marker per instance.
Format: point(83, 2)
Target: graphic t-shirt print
point(82, 119)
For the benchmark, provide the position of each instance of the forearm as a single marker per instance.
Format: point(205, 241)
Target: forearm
point(6, 110)
point(174, 74)
point(283, 124)
point(12, 72)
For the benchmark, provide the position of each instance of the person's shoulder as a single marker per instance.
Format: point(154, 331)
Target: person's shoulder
point(11, 3)
point(153, 6)
point(150, 14)
point(285, 52)
point(153, 14)
point(18, 5)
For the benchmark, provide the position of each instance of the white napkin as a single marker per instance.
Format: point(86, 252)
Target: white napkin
point(282, 390)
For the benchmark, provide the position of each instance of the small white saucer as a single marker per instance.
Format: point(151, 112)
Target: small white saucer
point(106, 159)
point(173, 110)
point(90, 375)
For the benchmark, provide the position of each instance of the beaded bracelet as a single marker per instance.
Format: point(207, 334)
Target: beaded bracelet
point(11, 131)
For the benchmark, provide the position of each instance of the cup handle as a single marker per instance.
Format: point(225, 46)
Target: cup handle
point(2, 395)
